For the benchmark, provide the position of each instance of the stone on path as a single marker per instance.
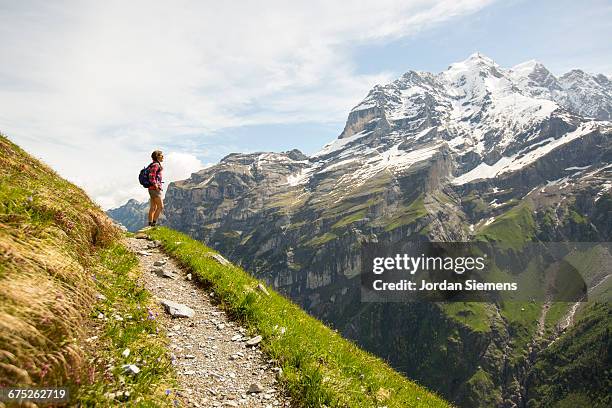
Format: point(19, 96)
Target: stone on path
point(200, 346)
point(177, 309)
point(163, 273)
point(253, 341)
point(168, 274)
point(255, 388)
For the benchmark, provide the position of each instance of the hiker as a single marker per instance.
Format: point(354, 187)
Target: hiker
point(155, 187)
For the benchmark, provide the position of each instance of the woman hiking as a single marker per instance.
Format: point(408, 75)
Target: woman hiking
point(155, 187)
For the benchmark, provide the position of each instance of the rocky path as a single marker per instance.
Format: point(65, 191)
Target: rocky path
point(217, 363)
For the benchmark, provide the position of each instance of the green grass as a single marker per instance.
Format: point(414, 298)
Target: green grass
point(576, 217)
point(320, 240)
point(320, 368)
point(476, 315)
point(574, 371)
point(57, 249)
point(556, 311)
point(512, 229)
point(137, 330)
point(349, 219)
point(521, 318)
point(474, 204)
point(408, 215)
point(482, 391)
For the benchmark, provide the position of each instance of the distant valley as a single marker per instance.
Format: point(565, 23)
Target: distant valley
point(476, 152)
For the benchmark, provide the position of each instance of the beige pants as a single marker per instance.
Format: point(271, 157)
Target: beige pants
point(155, 193)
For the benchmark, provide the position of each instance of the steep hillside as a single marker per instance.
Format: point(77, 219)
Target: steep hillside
point(569, 371)
point(74, 313)
point(474, 152)
point(317, 366)
point(69, 301)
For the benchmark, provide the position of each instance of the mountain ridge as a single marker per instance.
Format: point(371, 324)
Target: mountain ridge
point(472, 153)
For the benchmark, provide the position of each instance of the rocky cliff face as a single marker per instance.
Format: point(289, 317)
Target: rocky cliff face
point(474, 152)
point(132, 215)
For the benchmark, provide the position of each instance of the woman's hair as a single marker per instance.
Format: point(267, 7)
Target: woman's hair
point(156, 154)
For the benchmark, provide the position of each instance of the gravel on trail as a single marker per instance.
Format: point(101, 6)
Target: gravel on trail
point(214, 364)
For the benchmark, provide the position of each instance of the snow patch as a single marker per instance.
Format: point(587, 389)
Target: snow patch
point(299, 178)
point(339, 144)
point(516, 162)
point(577, 168)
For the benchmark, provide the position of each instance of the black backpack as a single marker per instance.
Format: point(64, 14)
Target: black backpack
point(143, 176)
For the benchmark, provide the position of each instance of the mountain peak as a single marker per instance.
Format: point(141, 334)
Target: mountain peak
point(474, 60)
point(476, 65)
point(527, 67)
point(477, 56)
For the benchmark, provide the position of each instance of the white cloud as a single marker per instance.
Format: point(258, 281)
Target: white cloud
point(114, 79)
point(179, 166)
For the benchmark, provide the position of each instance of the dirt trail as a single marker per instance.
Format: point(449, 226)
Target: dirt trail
point(215, 365)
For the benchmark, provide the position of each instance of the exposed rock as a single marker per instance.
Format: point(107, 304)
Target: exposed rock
point(255, 388)
point(430, 156)
point(130, 369)
point(253, 341)
point(219, 258)
point(177, 309)
point(263, 289)
point(168, 274)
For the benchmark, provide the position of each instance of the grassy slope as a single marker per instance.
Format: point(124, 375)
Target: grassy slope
point(319, 366)
point(409, 214)
point(512, 229)
point(575, 370)
point(57, 249)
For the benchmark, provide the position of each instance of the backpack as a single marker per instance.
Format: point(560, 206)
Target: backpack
point(143, 176)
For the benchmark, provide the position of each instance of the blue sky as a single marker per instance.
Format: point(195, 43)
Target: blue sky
point(100, 81)
point(561, 34)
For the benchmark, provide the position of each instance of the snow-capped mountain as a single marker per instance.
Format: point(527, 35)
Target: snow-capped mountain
point(477, 151)
point(478, 111)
